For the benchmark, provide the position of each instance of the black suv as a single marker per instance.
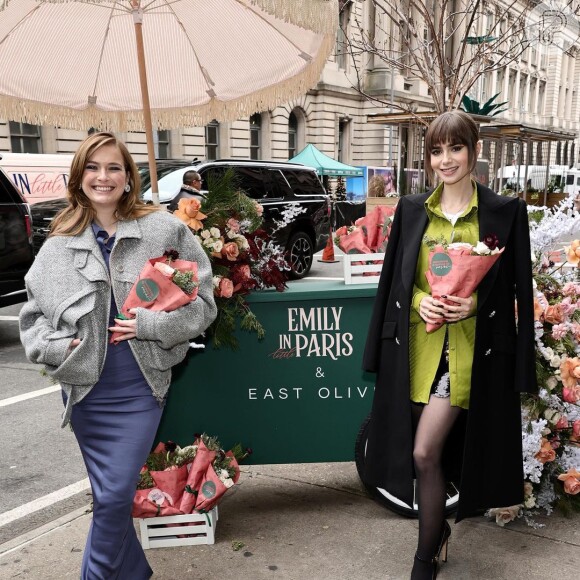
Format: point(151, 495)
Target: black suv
point(16, 253)
point(276, 186)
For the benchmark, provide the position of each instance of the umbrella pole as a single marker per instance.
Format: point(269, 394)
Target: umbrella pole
point(138, 21)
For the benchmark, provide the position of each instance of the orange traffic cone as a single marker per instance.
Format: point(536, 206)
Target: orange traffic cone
point(328, 252)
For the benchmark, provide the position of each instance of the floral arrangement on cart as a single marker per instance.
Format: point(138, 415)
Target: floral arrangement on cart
point(551, 419)
point(243, 256)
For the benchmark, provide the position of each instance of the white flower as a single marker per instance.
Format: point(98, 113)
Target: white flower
point(215, 233)
point(217, 246)
point(548, 353)
point(216, 281)
point(552, 416)
point(205, 234)
point(530, 502)
point(552, 383)
point(556, 361)
point(481, 249)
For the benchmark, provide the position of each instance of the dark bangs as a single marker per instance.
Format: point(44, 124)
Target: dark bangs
point(453, 128)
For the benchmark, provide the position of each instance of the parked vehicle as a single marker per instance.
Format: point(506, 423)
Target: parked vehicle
point(560, 177)
point(276, 186)
point(16, 253)
point(38, 176)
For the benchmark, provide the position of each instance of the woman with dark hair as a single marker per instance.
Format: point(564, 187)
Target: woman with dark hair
point(446, 404)
point(114, 394)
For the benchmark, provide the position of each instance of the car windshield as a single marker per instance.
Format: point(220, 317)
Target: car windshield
point(169, 180)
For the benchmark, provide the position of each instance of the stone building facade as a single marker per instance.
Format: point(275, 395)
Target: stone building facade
point(541, 87)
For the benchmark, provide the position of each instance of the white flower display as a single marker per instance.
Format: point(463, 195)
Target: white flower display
point(481, 249)
point(531, 443)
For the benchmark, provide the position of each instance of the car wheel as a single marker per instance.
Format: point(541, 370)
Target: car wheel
point(299, 252)
point(387, 499)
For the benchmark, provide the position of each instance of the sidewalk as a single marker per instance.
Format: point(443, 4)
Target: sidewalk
point(315, 522)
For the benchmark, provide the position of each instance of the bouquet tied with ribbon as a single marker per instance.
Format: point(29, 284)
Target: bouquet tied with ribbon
point(182, 480)
point(456, 269)
point(164, 284)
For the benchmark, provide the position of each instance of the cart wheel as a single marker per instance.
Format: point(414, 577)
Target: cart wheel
point(385, 498)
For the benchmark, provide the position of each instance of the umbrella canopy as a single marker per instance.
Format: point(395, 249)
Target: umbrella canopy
point(325, 165)
point(107, 63)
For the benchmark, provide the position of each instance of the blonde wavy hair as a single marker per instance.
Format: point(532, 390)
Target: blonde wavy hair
point(79, 213)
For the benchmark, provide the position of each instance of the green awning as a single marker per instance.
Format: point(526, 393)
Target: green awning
point(325, 165)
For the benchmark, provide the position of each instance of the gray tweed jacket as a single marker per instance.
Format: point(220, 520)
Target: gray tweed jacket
point(69, 290)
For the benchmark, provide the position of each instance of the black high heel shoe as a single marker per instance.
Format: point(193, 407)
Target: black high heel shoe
point(428, 569)
point(444, 543)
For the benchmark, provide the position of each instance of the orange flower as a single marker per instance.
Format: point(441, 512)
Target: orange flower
point(571, 481)
point(225, 288)
point(570, 372)
point(231, 251)
point(554, 314)
point(538, 310)
point(546, 453)
point(573, 252)
point(188, 211)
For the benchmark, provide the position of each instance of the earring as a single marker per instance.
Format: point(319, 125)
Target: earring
point(127, 188)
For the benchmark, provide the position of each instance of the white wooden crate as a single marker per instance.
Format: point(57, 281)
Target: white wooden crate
point(365, 273)
point(156, 534)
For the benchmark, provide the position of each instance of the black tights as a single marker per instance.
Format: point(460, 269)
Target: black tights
point(432, 423)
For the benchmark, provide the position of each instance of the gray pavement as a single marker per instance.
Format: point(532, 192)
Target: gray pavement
point(304, 521)
point(315, 522)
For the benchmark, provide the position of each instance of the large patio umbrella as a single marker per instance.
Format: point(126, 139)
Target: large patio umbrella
point(325, 165)
point(129, 65)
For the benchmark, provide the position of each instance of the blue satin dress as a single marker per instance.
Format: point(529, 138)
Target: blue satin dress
point(115, 425)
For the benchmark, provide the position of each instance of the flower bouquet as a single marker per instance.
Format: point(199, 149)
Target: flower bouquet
point(369, 235)
point(243, 257)
point(182, 480)
point(164, 284)
point(456, 269)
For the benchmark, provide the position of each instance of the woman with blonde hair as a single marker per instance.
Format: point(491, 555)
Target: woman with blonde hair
point(114, 393)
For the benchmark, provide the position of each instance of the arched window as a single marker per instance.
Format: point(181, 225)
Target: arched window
point(212, 140)
point(256, 136)
point(292, 135)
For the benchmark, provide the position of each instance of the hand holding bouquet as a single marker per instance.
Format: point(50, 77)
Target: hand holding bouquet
point(457, 269)
point(164, 284)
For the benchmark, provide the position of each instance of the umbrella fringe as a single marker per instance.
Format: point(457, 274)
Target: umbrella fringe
point(38, 113)
point(317, 15)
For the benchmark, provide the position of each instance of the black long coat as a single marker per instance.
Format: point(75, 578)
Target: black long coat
point(487, 449)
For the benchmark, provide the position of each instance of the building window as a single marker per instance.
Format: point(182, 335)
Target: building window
point(212, 140)
point(344, 7)
point(25, 138)
point(255, 136)
point(162, 145)
point(292, 135)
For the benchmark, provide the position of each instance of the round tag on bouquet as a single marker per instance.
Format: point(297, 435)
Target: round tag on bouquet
point(441, 264)
point(147, 290)
point(208, 489)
